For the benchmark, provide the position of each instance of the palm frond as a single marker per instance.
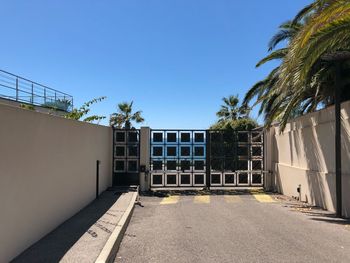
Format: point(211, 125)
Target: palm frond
point(304, 12)
point(278, 54)
point(124, 117)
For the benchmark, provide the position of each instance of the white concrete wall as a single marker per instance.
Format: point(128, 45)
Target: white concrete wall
point(304, 154)
point(47, 173)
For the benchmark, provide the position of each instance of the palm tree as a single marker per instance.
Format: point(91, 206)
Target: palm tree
point(230, 110)
point(325, 33)
point(231, 116)
point(262, 89)
point(306, 77)
point(304, 80)
point(124, 117)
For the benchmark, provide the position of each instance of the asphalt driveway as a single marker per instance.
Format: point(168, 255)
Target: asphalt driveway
point(233, 228)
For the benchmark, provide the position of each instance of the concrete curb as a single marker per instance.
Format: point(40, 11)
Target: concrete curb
point(111, 247)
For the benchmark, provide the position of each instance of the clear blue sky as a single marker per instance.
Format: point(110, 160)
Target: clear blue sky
point(175, 58)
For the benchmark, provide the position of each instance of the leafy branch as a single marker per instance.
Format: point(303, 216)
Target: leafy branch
point(80, 113)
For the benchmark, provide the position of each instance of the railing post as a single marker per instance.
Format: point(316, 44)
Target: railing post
point(45, 95)
point(32, 98)
point(16, 89)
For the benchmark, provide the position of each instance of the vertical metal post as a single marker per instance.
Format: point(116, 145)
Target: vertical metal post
point(32, 97)
point(44, 95)
point(207, 159)
point(97, 178)
point(16, 89)
point(250, 163)
point(192, 153)
point(235, 136)
point(338, 174)
point(263, 167)
point(113, 161)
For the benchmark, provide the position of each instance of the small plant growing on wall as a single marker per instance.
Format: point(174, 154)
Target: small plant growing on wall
point(27, 106)
point(82, 112)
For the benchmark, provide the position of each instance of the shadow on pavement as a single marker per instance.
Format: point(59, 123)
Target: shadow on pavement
point(55, 245)
point(334, 220)
point(314, 212)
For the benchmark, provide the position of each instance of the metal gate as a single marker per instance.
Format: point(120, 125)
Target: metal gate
point(126, 156)
point(212, 158)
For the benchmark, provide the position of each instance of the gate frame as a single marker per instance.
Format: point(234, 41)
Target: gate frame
point(115, 174)
point(208, 172)
point(144, 159)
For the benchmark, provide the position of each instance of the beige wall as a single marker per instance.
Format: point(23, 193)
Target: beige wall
point(47, 173)
point(304, 154)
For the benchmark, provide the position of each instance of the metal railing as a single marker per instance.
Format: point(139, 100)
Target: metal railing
point(19, 89)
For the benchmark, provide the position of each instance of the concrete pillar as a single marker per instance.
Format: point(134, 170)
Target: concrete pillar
point(145, 180)
point(268, 157)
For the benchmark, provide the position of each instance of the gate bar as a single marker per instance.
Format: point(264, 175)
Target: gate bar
point(207, 159)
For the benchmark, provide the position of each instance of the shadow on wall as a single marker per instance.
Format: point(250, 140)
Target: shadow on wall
point(277, 184)
point(321, 157)
point(345, 139)
point(311, 152)
point(317, 149)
